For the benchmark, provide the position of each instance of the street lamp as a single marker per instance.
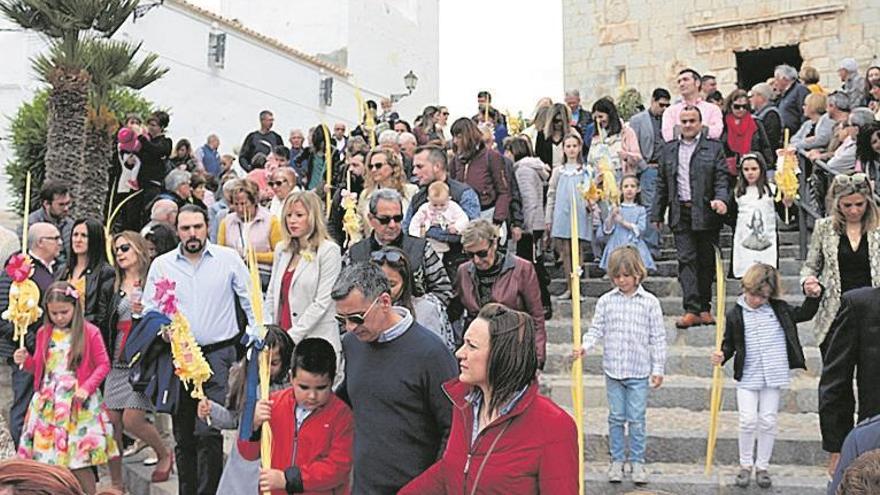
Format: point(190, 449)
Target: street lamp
point(409, 81)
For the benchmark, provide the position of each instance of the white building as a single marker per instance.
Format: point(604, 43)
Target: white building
point(269, 63)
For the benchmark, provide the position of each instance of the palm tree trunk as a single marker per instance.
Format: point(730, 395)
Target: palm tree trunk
point(65, 135)
point(92, 187)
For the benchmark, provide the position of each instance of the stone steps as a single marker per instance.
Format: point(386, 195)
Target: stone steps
point(671, 305)
point(686, 392)
point(668, 268)
point(677, 435)
point(559, 332)
point(680, 360)
point(689, 479)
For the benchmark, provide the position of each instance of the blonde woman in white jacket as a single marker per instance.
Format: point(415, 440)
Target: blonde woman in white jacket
point(306, 265)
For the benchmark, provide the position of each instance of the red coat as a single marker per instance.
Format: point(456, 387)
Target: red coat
point(92, 369)
point(323, 444)
point(537, 453)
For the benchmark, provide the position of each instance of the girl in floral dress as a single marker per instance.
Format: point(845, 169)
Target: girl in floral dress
point(66, 423)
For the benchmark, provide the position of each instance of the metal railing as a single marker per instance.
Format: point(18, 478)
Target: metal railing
point(805, 207)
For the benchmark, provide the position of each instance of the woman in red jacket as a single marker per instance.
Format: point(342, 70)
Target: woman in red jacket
point(505, 437)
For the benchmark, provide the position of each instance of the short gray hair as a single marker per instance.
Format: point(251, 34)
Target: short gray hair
point(364, 276)
point(479, 230)
point(407, 136)
point(763, 89)
point(385, 194)
point(388, 136)
point(573, 92)
point(786, 71)
point(840, 100)
point(162, 208)
point(176, 178)
point(861, 116)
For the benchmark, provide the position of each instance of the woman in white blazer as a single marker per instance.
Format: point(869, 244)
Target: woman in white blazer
point(306, 265)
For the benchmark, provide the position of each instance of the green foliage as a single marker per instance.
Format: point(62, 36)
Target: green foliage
point(629, 103)
point(28, 136)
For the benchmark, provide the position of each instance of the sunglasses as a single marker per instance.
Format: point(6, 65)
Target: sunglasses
point(376, 166)
point(444, 113)
point(663, 105)
point(383, 255)
point(386, 220)
point(356, 318)
point(858, 179)
point(482, 254)
point(122, 248)
point(276, 183)
point(737, 106)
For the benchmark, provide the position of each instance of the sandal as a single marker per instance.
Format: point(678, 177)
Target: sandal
point(762, 477)
point(742, 479)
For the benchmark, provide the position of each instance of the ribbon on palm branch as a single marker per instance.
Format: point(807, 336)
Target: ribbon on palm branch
point(577, 373)
point(715, 394)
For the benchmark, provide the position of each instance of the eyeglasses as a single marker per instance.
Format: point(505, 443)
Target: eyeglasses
point(386, 220)
point(122, 248)
point(356, 318)
point(56, 238)
point(382, 255)
point(376, 166)
point(737, 106)
point(277, 183)
point(482, 254)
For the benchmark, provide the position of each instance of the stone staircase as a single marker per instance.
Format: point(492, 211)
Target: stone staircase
point(678, 416)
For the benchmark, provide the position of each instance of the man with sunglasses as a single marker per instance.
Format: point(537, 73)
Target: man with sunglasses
point(394, 372)
point(44, 246)
point(648, 126)
point(386, 220)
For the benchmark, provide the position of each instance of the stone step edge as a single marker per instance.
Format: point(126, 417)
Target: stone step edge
point(799, 382)
point(682, 350)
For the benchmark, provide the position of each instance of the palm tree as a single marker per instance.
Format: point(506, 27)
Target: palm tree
point(111, 65)
point(80, 61)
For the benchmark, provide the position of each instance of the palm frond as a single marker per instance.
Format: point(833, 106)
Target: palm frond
point(143, 74)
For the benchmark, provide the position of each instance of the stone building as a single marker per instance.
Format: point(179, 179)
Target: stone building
point(640, 43)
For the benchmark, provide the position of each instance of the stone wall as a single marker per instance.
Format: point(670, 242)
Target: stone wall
point(651, 41)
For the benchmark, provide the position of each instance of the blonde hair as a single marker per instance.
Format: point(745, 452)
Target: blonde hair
point(845, 185)
point(816, 102)
point(438, 190)
point(626, 260)
point(397, 181)
point(317, 227)
point(762, 280)
point(141, 250)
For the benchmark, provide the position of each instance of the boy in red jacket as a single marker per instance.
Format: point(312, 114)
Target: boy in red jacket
point(309, 422)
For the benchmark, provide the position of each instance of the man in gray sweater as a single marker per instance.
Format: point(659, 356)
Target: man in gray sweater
point(394, 370)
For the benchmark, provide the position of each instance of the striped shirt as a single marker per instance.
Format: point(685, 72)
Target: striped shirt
point(766, 360)
point(633, 333)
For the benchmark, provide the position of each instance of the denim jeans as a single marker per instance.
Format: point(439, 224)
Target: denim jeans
point(627, 401)
point(22, 392)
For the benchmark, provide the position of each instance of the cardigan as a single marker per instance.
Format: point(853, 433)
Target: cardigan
point(264, 233)
point(821, 262)
point(91, 370)
point(734, 343)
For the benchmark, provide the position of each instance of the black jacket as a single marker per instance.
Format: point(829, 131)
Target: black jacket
point(854, 345)
point(770, 117)
point(734, 344)
point(257, 142)
point(153, 154)
point(760, 144)
point(99, 278)
point(708, 180)
point(110, 302)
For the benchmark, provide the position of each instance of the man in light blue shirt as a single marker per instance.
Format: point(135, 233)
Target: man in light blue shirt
point(208, 280)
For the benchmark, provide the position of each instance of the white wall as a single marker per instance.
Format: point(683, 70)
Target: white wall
point(227, 101)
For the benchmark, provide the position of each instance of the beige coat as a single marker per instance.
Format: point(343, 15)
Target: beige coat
point(822, 263)
point(312, 309)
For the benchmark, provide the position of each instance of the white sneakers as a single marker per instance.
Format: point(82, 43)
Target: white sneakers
point(637, 472)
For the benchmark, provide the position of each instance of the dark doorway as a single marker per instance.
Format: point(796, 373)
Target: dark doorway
point(756, 66)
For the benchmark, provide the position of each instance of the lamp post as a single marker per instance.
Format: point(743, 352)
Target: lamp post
point(409, 81)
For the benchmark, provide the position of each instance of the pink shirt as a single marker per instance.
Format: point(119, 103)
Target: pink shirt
point(712, 119)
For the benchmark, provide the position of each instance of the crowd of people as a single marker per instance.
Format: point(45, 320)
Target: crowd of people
point(406, 317)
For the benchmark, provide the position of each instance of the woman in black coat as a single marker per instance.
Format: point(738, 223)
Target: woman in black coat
point(87, 268)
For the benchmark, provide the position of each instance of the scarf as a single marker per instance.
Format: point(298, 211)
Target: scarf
point(739, 136)
point(486, 279)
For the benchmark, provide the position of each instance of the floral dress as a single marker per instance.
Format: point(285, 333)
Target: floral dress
point(58, 430)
